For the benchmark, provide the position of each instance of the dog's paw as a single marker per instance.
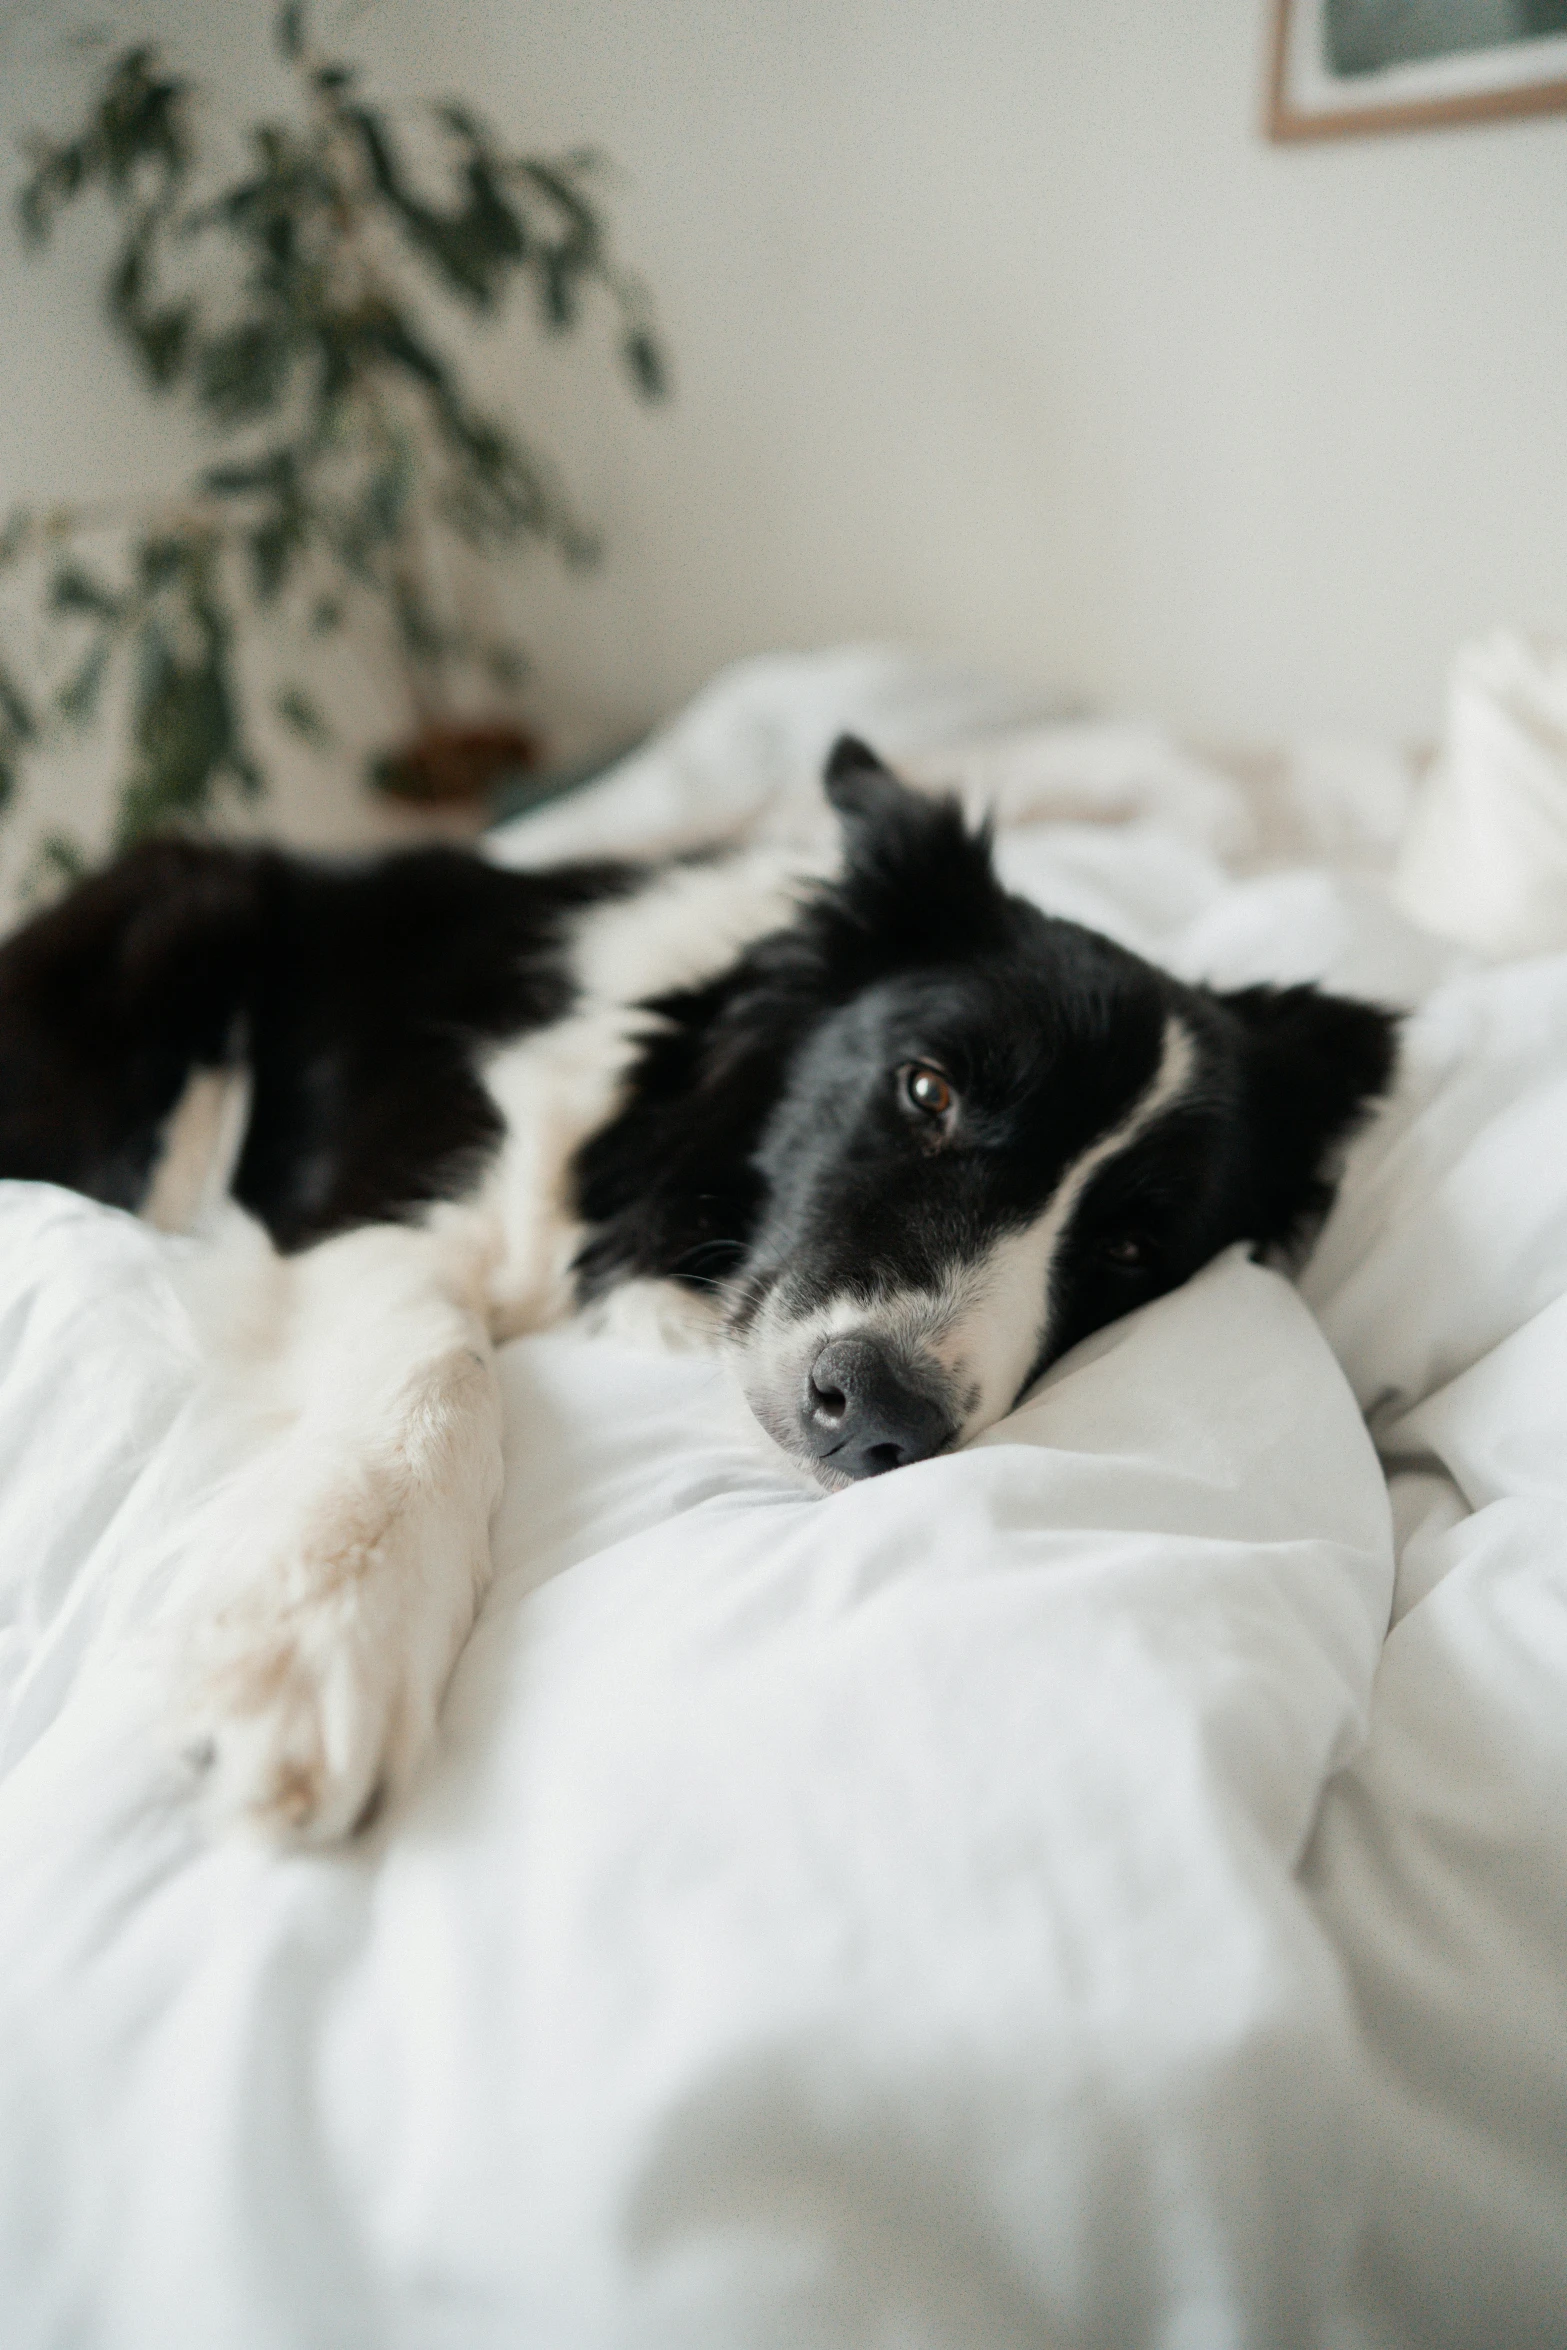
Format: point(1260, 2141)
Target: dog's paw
point(309, 1693)
point(289, 1732)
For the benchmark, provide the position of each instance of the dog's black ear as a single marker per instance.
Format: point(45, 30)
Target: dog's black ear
point(858, 784)
point(915, 877)
point(1314, 1065)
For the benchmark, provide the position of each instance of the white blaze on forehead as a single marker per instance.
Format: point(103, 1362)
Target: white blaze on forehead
point(999, 1331)
point(986, 1326)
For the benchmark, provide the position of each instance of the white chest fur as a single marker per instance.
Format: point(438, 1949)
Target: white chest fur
point(559, 1085)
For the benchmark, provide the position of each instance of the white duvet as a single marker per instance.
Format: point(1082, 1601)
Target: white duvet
point(1106, 1887)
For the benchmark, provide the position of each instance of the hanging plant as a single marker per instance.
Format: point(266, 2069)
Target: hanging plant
point(353, 453)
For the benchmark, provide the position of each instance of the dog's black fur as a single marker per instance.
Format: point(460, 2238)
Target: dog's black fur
point(766, 1138)
point(360, 995)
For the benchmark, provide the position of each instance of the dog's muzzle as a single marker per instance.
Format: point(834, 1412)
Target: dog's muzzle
point(862, 1412)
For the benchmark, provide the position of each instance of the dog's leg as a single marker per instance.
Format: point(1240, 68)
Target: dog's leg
point(313, 1652)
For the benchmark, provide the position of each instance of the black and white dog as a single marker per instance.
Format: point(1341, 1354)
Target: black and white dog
point(899, 1138)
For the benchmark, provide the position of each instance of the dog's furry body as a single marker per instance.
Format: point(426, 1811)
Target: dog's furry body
point(898, 1139)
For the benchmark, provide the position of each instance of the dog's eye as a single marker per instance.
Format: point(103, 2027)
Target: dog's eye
point(926, 1090)
point(1129, 1252)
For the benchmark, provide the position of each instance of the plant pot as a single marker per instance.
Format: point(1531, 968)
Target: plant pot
point(449, 765)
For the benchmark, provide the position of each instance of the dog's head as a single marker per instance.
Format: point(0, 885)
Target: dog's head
point(927, 1138)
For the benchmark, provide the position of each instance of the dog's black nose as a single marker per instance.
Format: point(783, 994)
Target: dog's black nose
point(863, 1413)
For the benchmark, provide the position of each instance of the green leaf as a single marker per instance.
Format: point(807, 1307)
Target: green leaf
point(7, 782)
point(16, 716)
point(163, 340)
point(645, 359)
point(558, 290)
point(74, 590)
point(290, 29)
point(384, 501)
point(77, 699)
point(242, 373)
point(387, 333)
point(272, 472)
point(59, 861)
point(185, 716)
point(160, 337)
point(159, 561)
point(58, 175)
point(556, 181)
point(492, 223)
point(273, 546)
point(471, 245)
point(505, 666)
point(140, 120)
point(14, 536)
point(271, 559)
point(379, 153)
point(498, 491)
point(303, 717)
point(326, 616)
point(419, 631)
point(127, 281)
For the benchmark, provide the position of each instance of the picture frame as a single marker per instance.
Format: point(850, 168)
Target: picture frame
point(1338, 68)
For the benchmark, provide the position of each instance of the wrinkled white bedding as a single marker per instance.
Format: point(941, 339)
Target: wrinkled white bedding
point(1033, 1898)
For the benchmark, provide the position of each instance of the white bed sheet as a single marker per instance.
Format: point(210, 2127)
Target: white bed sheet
point(1022, 1900)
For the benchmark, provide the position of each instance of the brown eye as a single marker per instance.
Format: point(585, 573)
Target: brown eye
point(1129, 1252)
point(926, 1090)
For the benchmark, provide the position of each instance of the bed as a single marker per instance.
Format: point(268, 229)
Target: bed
point(1109, 1886)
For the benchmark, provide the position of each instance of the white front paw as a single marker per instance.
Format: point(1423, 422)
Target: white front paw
point(311, 1693)
point(291, 1734)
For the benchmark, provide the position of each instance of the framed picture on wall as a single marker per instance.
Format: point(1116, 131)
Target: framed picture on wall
point(1341, 66)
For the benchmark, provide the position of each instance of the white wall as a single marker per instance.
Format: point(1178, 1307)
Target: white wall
point(997, 326)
